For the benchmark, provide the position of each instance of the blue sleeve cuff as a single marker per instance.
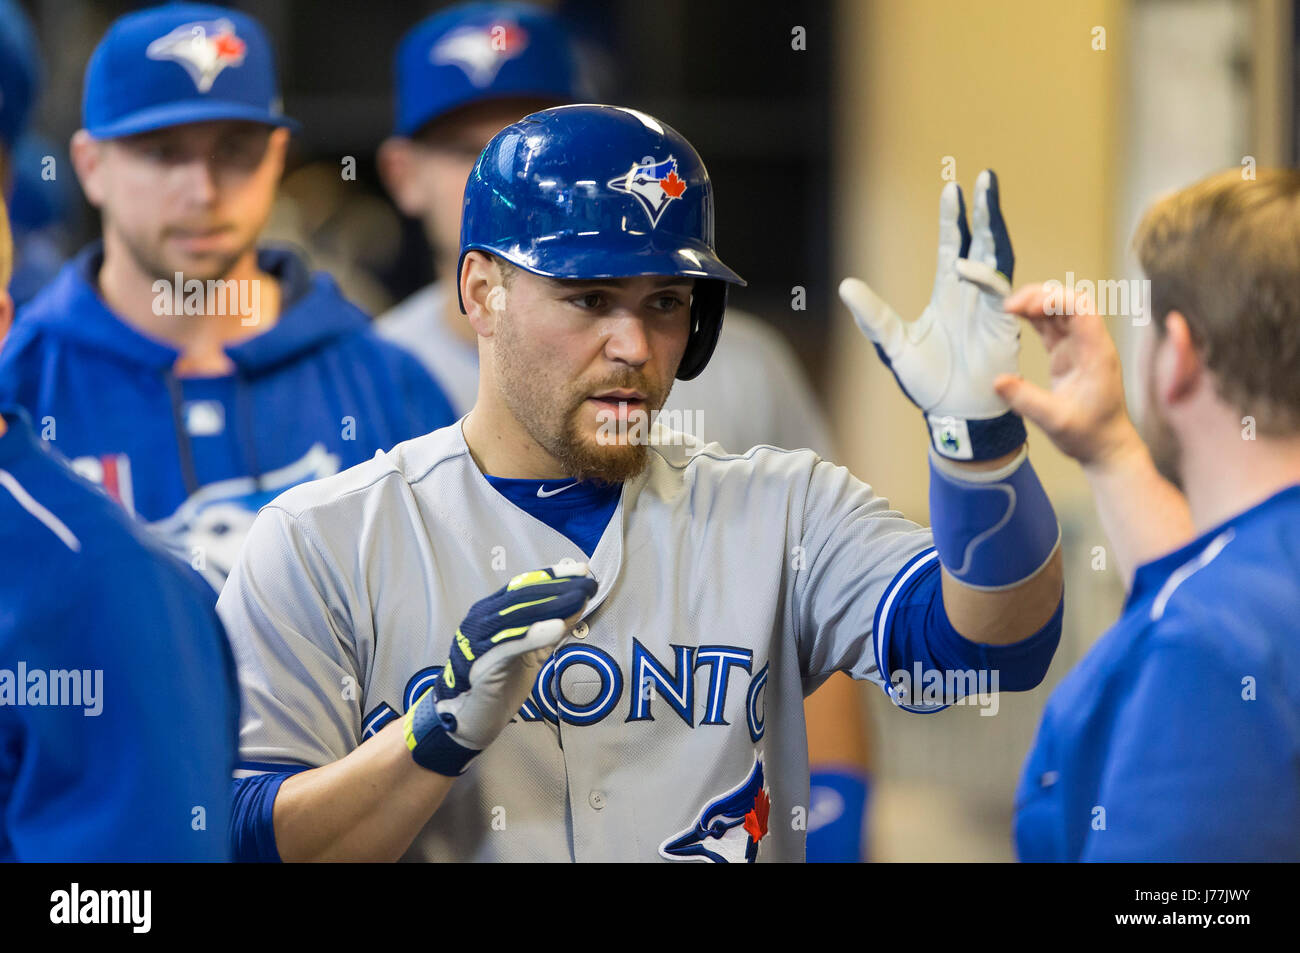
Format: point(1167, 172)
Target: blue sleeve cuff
point(252, 832)
point(837, 813)
point(927, 664)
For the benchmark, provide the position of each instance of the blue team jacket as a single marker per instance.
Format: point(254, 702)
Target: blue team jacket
point(196, 457)
point(1178, 737)
point(119, 712)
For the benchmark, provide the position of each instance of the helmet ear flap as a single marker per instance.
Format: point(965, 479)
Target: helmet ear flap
point(708, 302)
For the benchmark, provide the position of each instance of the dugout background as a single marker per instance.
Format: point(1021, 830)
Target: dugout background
point(829, 161)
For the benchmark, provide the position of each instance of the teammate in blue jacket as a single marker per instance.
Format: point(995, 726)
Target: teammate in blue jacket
point(118, 707)
point(192, 374)
point(1178, 737)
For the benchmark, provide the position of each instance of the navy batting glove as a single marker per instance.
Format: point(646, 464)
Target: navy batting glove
point(499, 648)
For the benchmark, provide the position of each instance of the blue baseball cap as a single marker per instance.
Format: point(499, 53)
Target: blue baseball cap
point(20, 71)
point(176, 64)
point(478, 51)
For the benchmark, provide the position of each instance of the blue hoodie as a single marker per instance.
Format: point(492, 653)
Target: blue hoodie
point(196, 457)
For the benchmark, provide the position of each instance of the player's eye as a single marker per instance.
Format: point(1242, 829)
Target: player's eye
point(669, 303)
point(459, 151)
point(589, 300)
point(159, 151)
point(241, 151)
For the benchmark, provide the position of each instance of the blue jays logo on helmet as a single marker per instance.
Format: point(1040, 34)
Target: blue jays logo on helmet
point(654, 184)
point(480, 51)
point(204, 48)
point(730, 827)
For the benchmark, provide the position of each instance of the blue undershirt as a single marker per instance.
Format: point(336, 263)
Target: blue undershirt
point(577, 510)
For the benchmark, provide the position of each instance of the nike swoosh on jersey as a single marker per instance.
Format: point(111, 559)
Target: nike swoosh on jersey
point(543, 492)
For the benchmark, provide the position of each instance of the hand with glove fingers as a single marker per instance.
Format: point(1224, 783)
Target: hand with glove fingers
point(947, 359)
point(499, 648)
point(1083, 413)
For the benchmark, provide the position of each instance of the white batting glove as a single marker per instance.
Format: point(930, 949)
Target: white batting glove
point(946, 360)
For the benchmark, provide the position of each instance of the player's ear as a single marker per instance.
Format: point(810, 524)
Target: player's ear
point(6, 313)
point(87, 155)
point(480, 292)
point(1177, 365)
point(395, 161)
point(278, 147)
point(6, 266)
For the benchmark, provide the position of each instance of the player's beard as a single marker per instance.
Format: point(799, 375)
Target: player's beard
point(150, 260)
point(552, 409)
point(1159, 436)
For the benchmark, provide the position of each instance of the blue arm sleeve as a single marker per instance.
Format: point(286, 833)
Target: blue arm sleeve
point(837, 816)
point(917, 637)
point(252, 833)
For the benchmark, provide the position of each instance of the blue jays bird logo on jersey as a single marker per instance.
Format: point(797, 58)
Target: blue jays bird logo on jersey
point(480, 51)
point(729, 829)
point(653, 183)
point(204, 49)
point(208, 529)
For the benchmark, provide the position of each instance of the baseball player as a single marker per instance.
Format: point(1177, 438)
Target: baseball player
point(1178, 737)
point(189, 372)
point(641, 697)
point(118, 703)
point(462, 75)
point(36, 204)
point(20, 72)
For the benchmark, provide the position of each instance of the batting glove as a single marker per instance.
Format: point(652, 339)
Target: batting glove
point(946, 360)
point(499, 648)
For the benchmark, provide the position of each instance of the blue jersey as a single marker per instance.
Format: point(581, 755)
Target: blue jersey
point(196, 457)
point(1178, 737)
point(118, 704)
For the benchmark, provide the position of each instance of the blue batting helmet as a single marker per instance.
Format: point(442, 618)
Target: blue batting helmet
point(590, 191)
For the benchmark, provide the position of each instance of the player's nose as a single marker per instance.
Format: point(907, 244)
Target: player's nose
point(626, 339)
point(197, 181)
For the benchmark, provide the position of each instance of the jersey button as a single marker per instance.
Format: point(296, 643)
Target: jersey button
point(596, 799)
point(580, 630)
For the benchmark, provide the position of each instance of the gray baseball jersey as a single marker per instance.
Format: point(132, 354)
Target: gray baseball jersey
point(669, 722)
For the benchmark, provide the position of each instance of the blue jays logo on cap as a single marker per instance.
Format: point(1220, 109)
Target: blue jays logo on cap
point(473, 52)
point(176, 64)
point(654, 184)
point(204, 49)
point(729, 828)
point(480, 51)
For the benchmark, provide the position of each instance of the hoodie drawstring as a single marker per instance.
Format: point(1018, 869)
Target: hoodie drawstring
point(244, 408)
point(183, 445)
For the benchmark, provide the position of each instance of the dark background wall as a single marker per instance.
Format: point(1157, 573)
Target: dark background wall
point(721, 71)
